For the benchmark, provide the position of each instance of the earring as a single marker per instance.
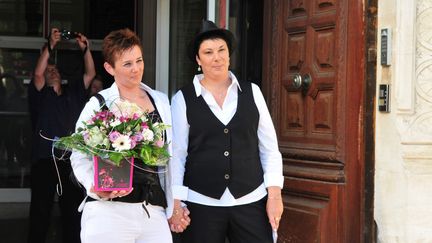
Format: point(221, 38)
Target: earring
point(199, 68)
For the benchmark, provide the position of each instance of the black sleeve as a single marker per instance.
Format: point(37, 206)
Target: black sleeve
point(34, 101)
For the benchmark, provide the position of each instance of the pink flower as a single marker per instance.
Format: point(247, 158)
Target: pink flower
point(114, 135)
point(86, 135)
point(132, 143)
point(159, 143)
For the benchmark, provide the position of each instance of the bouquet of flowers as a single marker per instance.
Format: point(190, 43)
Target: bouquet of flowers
point(123, 131)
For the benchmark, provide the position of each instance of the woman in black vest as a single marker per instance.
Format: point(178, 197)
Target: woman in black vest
point(226, 163)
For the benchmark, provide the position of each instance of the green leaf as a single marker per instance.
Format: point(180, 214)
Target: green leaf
point(116, 158)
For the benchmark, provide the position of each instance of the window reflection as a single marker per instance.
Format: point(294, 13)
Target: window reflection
point(21, 17)
point(186, 18)
point(16, 67)
point(94, 18)
point(14, 150)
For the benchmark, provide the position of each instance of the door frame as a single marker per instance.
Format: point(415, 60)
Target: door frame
point(371, 16)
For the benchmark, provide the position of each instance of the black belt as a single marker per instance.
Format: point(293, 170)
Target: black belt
point(90, 199)
point(116, 199)
point(152, 194)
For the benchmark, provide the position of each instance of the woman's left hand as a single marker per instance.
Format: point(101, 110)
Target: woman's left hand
point(274, 206)
point(110, 194)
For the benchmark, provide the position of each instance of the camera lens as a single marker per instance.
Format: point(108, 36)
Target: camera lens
point(67, 34)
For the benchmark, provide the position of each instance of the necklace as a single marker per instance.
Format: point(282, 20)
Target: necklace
point(141, 95)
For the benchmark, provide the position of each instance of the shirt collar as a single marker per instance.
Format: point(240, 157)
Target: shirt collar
point(199, 77)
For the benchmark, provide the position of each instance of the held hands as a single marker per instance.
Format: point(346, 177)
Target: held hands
point(180, 220)
point(110, 194)
point(274, 206)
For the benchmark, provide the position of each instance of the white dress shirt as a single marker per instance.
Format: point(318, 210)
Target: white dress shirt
point(271, 159)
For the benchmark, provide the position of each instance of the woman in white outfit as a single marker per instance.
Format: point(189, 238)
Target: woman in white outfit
point(139, 215)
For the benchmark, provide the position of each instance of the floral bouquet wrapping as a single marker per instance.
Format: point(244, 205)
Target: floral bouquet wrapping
point(116, 136)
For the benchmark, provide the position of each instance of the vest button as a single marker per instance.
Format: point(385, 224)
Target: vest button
point(226, 130)
point(227, 176)
point(226, 153)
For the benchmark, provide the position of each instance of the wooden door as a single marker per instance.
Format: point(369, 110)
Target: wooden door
point(319, 126)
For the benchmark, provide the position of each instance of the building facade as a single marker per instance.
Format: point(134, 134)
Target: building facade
point(403, 166)
point(356, 170)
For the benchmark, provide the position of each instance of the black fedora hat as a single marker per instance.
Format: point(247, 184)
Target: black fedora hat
point(209, 30)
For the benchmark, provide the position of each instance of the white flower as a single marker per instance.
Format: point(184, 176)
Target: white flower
point(122, 143)
point(95, 137)
point(115, 123)
point(147, 134)
point(124, 108)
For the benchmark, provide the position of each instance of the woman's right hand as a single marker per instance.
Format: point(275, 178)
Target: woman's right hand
point(179, 220)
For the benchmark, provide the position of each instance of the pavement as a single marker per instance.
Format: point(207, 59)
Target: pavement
point(14, 223)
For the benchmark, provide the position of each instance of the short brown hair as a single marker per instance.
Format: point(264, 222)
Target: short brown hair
point(118, 41)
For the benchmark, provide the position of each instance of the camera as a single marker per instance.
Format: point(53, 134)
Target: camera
point(67, 34)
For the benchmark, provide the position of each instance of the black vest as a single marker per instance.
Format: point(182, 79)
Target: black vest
point(222, 156)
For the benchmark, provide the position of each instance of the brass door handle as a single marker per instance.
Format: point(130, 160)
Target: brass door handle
point(297, 81)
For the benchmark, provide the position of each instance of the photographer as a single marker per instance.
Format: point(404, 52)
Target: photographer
point(54, 109)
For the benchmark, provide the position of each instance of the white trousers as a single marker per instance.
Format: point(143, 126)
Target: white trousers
point(118, 222)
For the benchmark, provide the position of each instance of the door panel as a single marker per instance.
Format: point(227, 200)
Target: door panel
point(308, 212)
point(310, 39)
point(318, 125)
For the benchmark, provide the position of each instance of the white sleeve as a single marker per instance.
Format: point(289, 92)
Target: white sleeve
point(82, 164)
point(180, 128)
point(271, 158)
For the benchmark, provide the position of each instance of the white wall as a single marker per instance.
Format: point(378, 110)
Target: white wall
point(403, 170)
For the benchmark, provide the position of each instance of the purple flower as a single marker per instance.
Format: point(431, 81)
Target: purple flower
point(138, 137)
point(114, 135)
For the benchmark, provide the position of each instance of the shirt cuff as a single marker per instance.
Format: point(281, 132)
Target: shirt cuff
point(180, 192)
point(88, 185)
point(273, 179)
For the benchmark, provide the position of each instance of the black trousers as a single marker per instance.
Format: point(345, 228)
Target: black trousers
point(240, 224)
point(43, 186)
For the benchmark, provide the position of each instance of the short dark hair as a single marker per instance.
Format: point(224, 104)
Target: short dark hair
point(212, 36)
point(210, 31)
point(117, 42)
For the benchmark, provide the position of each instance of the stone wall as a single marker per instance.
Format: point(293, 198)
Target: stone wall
point(403, 157)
